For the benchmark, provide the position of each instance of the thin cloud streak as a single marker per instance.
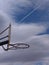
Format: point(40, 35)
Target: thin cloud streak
point(29, 14)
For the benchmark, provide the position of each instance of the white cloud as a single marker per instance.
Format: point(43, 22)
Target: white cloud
point(22, 32)
point(9, 6)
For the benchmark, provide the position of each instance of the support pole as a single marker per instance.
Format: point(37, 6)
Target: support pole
point(9, 36)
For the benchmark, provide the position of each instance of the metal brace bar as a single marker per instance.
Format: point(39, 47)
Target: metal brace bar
point(3, 37)
point(4, 30)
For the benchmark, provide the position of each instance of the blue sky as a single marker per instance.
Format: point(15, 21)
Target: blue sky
point(36, 16)
point(30, 24)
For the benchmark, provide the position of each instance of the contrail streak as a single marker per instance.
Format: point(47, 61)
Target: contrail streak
point(29, 14)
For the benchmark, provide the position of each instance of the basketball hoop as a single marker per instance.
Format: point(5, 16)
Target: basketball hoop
point(11, 46)
point(18, 46)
